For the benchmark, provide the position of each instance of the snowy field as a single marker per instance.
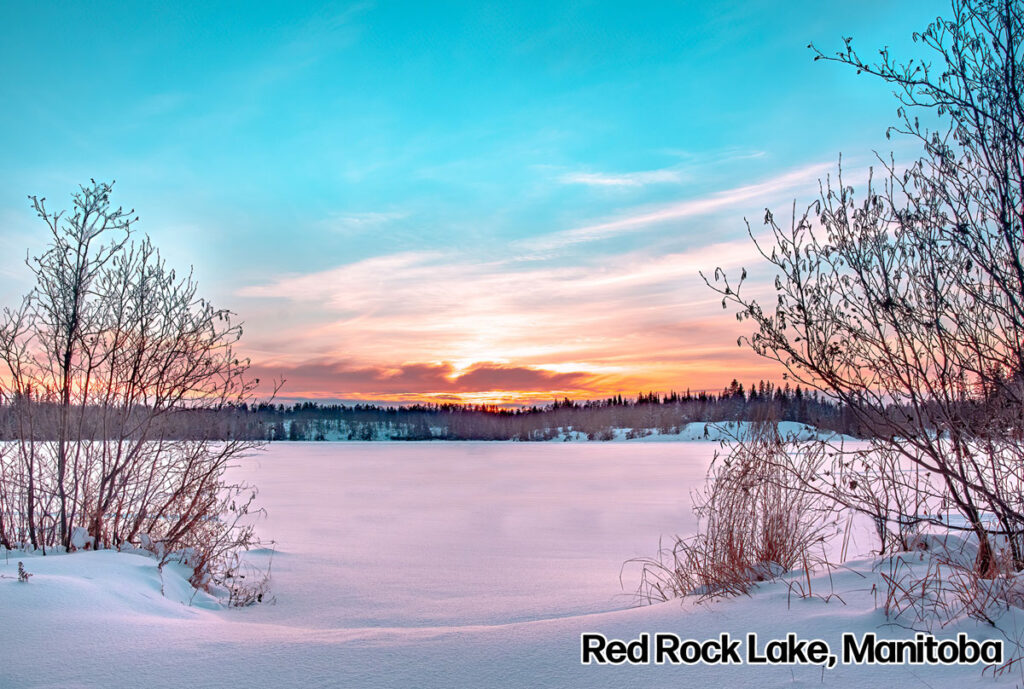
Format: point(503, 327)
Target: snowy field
point(434, 565)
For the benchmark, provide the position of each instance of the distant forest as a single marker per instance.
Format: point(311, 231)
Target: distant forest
point(645, 414)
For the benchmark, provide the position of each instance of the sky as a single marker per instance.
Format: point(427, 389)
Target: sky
point(473, 202)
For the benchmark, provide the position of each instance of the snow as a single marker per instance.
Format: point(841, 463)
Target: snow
point(700, 431)
point(434, 565)
point(706, 431)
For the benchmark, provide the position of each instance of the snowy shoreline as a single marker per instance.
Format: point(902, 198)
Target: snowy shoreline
point(696, 431)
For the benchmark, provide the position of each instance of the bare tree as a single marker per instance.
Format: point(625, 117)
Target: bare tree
point(104, 358)
point(908, 305)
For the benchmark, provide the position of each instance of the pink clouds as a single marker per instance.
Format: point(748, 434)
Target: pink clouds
point(321, 378)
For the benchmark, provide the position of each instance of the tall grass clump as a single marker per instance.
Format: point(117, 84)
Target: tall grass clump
point(757, 521)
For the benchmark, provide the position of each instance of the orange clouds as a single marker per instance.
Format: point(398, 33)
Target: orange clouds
point(424, 326)
point(484, 381)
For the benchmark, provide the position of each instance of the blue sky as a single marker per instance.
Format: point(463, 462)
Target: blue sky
point(354, 178)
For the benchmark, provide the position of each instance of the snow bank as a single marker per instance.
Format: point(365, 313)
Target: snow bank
point(98, 620)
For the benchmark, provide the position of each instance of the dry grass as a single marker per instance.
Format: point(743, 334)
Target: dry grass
point(939, 585)
point(757, 522)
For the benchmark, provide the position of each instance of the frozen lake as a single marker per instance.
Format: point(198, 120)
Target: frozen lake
point(455, 565)
point(437, 534)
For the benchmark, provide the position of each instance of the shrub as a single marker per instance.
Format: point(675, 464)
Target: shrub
point(757, 521)
point(115, 369)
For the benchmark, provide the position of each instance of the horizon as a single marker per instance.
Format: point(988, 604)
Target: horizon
point(628, 398)
point(478, 204)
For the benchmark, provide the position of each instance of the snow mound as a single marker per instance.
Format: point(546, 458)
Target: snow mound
point(103, 582)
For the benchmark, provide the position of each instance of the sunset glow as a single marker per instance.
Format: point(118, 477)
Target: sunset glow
point(512, 331)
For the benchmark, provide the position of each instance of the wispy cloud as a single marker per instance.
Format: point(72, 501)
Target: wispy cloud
point(629, 179)
point(677, 211)
point(240, 92)
point(327, 30)
point(159, 104)
point(356, 223)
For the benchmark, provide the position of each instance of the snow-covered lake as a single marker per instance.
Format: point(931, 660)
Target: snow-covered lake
point(424, 534)
point(408, 565)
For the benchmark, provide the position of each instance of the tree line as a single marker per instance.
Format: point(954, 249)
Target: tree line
point(644, 414)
